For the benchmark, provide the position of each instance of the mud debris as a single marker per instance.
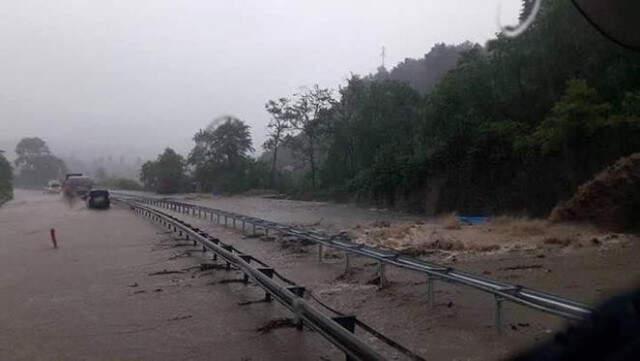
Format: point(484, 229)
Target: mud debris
point(276, 324)
point(165, 272)
point(180, 318)
point(521, 267)
point(610, 200)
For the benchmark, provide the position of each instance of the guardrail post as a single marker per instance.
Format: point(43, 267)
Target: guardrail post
point(243, 225)
point(269, 273)
point(347, 262)
point(381, 274)
point(349, 323)
point(431, 280)
point(298, 291)
point(225, 220)
point(234, 222)
point(499, 300)
point(246, 258)
point(254, 228)
point(320, 252)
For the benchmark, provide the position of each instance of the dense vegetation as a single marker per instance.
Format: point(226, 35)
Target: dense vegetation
point(166, 174)
point(514, 125)
point(35, 164)
point(6, 178)
point(425, 73)
point(221, 159)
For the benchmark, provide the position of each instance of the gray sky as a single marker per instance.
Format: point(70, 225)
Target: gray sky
point(135, 76)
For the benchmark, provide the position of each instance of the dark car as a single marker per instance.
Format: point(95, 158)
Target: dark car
point(98, 198)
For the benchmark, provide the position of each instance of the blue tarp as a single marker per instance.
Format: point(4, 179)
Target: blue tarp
point(472, 220)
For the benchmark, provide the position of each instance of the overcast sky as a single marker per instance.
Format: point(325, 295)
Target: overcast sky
point(136, 76)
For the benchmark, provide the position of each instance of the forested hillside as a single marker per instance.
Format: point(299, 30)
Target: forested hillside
point(514, 125)
point(423, 74)
point(517, 125)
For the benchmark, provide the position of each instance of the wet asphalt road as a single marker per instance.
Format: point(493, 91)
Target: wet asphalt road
point(93, 298)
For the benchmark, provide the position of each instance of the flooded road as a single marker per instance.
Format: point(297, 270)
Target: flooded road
point(93, 298)
point(329, 216)
point(461, 323)
point(119, 288)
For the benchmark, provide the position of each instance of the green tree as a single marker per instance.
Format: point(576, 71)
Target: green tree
point(569, 128)
point(279, 129)
point(221, 155)
point(166, 174)
point(35, 163)
point(6, 179)
point(307, 110)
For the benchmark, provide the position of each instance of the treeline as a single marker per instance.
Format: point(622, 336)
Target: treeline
point(220, 162)
point(424, 74)
point(6, 179)
point(35, 164)
point(515, 125)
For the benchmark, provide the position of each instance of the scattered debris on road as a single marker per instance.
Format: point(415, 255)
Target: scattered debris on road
point(165, 272)
point(276, 324)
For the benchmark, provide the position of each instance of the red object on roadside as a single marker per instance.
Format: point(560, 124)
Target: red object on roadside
point(53, 238)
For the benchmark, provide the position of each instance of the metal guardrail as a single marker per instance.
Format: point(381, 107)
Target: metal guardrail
point(502, 291)
point(337, 330)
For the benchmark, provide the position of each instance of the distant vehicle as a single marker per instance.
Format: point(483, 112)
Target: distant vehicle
point(53, 187)
point(98, 198)
point(77, 184)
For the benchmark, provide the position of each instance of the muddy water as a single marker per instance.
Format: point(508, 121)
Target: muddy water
point(93, 298)
point(460, 326)
point(324, 215)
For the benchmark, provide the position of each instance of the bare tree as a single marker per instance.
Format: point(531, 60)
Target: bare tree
point(308, 109)
point(279, 127)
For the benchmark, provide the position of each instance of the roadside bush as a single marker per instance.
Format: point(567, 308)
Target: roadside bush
point(6, 178)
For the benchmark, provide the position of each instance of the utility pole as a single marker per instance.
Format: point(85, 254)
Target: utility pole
point(382, 55)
